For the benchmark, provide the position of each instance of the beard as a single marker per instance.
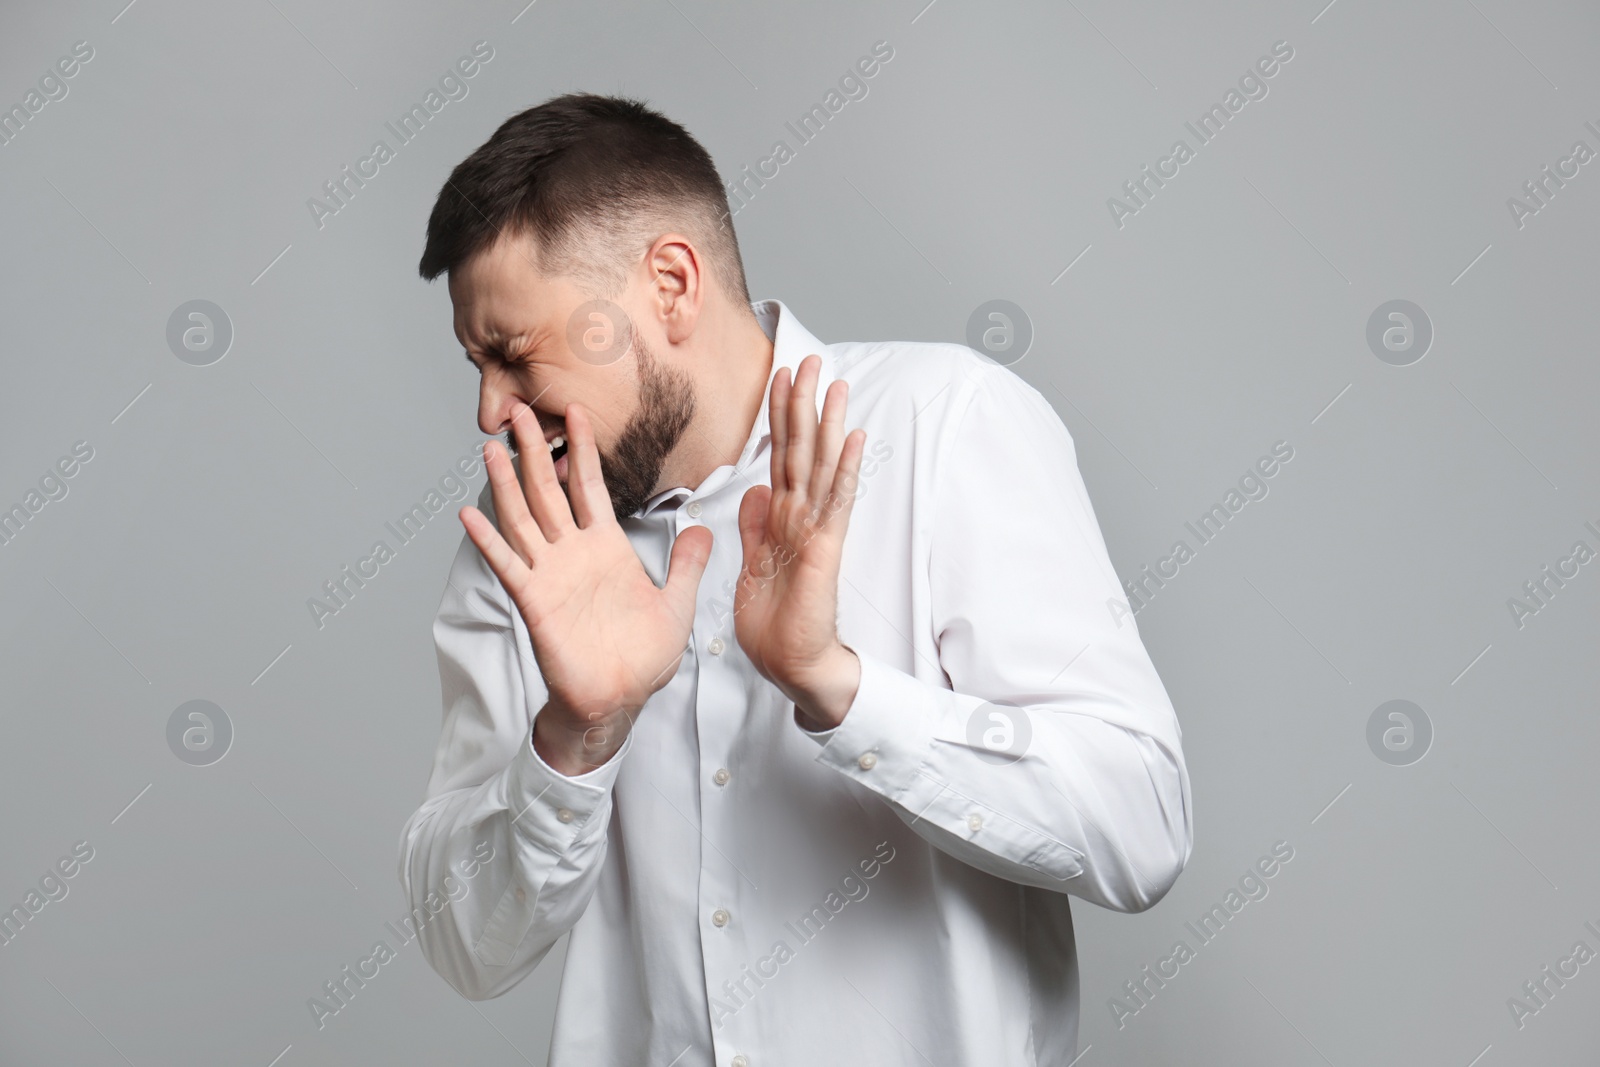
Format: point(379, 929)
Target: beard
point(632, 467)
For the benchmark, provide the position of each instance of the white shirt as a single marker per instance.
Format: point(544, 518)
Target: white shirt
point(743, 893)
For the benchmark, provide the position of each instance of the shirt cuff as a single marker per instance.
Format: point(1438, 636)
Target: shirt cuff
point(821, 737)
point(885, 739)
point(551, 810)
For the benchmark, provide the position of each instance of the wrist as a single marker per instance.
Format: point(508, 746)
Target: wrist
point(821, 704)
point(572, 746)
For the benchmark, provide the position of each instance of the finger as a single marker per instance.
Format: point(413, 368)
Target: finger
point(778, 425)
point(847, 483)
point(507, 565)
point(510, 505)
point(803, 424)
point(590, 501)
point(830, 439)
point(753, 523)
point(539, 483)
point(690, 553)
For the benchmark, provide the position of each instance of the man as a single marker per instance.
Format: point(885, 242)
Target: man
point(800, 798)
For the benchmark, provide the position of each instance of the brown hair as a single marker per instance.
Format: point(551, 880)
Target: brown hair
point(594, 179)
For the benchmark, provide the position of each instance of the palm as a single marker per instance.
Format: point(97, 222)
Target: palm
point(602, 632)
point(786, 601)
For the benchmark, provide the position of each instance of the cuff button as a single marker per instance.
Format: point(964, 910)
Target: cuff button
point(867, 761)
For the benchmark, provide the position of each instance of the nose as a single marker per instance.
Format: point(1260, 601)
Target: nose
point(497, 399)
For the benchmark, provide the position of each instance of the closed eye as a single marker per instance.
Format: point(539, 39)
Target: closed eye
point(489, 355)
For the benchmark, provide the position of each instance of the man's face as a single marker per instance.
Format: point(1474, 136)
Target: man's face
point(519, 329)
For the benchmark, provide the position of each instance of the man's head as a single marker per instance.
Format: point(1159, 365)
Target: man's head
point(585, 242)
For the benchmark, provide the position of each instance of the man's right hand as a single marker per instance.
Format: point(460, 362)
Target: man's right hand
point(604, 635)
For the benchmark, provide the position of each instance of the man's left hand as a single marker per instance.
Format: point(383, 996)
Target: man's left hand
point(786, 605)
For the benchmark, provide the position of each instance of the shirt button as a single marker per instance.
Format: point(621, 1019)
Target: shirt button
point(975, 822)
point(564, 814)
point(716, 646)
point(867, 761)
point(720, 917)
point(739, 1061)
point(722, 776)
point(693, 509)
point(522, 894)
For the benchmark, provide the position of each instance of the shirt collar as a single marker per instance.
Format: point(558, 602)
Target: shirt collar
point(791, 343)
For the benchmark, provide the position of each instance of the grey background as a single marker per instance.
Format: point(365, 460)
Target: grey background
point(1229, 314)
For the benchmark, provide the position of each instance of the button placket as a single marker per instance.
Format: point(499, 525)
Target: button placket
point(718, 710)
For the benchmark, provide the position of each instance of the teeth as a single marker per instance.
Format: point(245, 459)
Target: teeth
point(556, 442)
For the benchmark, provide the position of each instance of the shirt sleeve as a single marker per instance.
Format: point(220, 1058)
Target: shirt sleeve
point(525, 841)
point(1054, 757)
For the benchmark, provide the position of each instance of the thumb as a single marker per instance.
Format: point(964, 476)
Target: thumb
point(690, 554)
point(753, 522)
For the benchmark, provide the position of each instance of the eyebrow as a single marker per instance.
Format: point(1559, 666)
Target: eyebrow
point(522, 343)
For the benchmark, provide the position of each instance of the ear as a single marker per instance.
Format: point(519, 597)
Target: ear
point(677, 284)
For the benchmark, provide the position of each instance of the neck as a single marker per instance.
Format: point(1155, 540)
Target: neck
point(731, 364)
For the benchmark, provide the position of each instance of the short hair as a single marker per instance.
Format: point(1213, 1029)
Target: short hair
point(594, 180)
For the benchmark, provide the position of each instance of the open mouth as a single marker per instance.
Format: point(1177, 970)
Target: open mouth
point(557, 446)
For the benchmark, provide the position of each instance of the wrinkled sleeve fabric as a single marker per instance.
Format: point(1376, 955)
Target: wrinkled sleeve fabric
point(1044, 750)
point(490, 794)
